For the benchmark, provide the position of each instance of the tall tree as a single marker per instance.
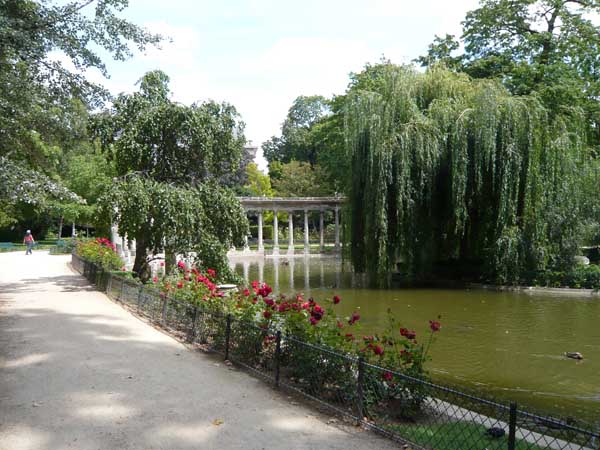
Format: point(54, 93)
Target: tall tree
point(296, 142)
point(449, 168)
point(165, 154)
point(550, 47)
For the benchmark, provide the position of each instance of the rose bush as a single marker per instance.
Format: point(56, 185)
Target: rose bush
point(101, 252)
point(258, 312)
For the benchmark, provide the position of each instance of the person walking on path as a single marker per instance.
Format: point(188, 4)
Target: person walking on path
point(28, 241)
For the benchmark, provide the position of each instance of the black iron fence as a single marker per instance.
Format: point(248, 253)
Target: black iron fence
point(416, 412)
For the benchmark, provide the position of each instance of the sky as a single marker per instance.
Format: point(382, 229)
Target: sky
point(259, 55)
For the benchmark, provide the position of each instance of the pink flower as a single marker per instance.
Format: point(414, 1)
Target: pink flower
point(123, 269)
point(155, 279)
point(336, 299)
point(212, 273)
point(181, 265)
point(162, 264)
point(340, 324)
point(435, 325)
point(313, 321)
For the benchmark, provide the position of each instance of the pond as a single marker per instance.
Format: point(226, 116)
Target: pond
point(507, 344)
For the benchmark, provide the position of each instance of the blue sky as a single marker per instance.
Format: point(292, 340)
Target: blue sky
point(260, 55)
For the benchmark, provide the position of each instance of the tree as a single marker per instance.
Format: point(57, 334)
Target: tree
point(169, 142)
point(549, 47)
point(168, 157)
point(206, 220)
point(299, 179)
point(296, 142)
point(259, 184)
point(446, 168)
point(43, 105)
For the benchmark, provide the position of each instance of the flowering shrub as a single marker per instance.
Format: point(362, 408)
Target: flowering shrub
point(398, 348)
point(101, 252)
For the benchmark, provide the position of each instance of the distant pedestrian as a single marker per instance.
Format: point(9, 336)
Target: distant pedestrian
point(28, 241)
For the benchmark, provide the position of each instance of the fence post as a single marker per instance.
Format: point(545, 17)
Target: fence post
point(277, 357)
point(164, 310)
point(227, 336)
point(359, 389)
point(192, 333)
point(139, 299)
point(122, 288)
point(512, 426)
point(109, 285)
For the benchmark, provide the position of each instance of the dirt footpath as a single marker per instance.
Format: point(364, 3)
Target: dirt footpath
point(79, 372)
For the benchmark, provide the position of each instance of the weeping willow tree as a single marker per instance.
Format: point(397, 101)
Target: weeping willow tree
point(446, 168)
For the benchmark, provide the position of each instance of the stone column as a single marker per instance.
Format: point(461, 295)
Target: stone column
point(260, 232)
point(337, 229)
point(291, 233)
point(246, 246)
point(246, 271)
point(321, 232)
point(275, 234)
point(306, 239)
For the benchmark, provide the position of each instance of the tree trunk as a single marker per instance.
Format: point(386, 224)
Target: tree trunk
point(140, 266)
point(60, 225)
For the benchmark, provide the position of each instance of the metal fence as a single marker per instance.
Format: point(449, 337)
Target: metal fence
point(412, 411)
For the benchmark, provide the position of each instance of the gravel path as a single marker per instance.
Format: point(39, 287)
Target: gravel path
point(79, 372)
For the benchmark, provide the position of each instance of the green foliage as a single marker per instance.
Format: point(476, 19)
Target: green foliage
point(445, 167)
point(101, 252)
point(145, 132)
point(299, 179)
point(297, 141)
point(207, 220)
point(544, 46)
point(259, 184)
point(581, 277)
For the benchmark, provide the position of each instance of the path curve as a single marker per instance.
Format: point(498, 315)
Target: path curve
point(79, 372)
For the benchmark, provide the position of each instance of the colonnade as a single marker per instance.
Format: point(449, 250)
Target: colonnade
point(259, 205)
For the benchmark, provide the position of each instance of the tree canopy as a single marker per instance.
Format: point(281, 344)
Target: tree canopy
point(547, 47)
point(449, 168)
point(168, 157)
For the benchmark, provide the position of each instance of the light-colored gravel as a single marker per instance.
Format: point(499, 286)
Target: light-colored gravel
point(79, 372)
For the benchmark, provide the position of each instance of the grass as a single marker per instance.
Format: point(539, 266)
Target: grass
point(455, 436)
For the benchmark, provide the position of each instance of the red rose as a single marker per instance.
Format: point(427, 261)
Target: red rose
point(313, 321)
point(355, 318)
point(246, 292)
point(267, 314)
point(435, 325)
point(211, 273)
point(181, 265)
point(269, 301)
point(378, 350)
point(336, 299)
point(179, 284)
point(155, 279)
point(162, 264)
point(387, 376)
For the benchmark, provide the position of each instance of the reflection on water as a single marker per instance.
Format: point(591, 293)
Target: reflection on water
point(506, 343)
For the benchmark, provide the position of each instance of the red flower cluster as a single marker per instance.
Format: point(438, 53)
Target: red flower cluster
point(263, 290)
point(408, 334)
point(211, 273)
point(106, 243)
point(435, 325)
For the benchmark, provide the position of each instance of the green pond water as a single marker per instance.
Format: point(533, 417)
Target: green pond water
point(505, 344)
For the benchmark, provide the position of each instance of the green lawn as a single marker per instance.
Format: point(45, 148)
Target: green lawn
point(455, 436)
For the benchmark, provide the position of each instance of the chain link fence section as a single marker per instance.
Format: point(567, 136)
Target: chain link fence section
point(413, 411)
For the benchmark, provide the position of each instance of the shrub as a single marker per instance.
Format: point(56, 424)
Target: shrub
point(318, 324)
point(101, 252)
